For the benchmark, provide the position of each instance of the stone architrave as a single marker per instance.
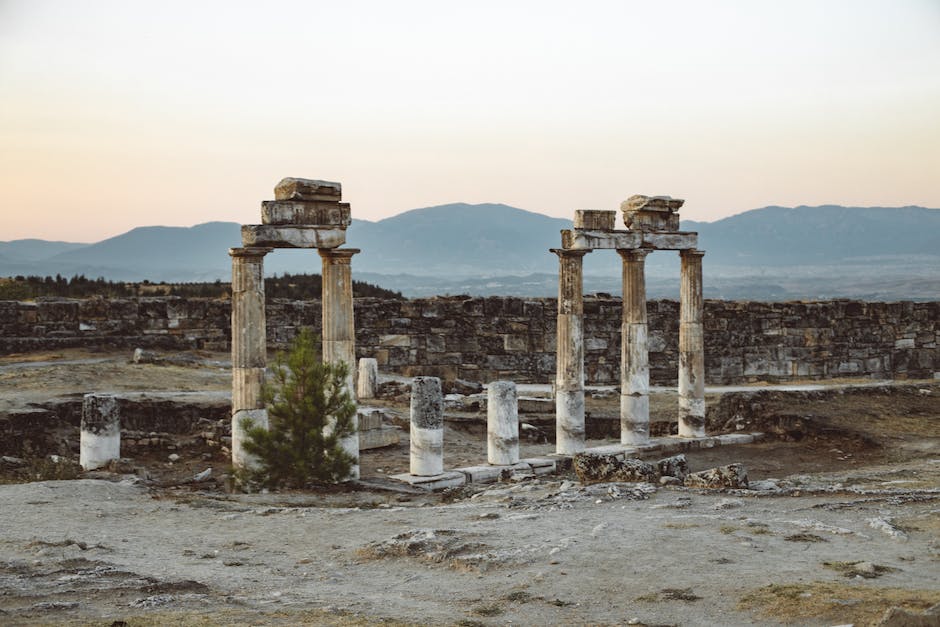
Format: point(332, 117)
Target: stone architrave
point(249, 346)
point(569, 376)
point(691, 347)
point(367, 378)
point(100, 437)
point(427, 427)
point(634, 355)
point(339, 334)
point(502, 423)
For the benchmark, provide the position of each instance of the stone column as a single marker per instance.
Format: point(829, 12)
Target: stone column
point(691, 347)
point(569, 374)
point(249, 346)
point(367, 379)
point(634, 352)
point(339, 332)
point(100, 438)
point(427, 427)
point(502, 423)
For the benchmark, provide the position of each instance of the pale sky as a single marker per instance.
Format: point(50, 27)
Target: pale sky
point(116, 114)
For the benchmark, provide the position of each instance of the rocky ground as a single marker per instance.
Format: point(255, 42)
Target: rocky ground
point(840, 523)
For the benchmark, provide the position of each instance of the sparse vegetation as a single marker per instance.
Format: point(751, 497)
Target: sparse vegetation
point(310, 413)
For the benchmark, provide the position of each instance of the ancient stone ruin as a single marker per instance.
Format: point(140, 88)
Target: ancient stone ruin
point(652, 224)
point(304, 214)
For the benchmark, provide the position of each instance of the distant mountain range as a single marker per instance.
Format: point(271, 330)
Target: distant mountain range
point(768, 253)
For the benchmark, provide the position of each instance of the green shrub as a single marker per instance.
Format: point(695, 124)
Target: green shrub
point(310, 411)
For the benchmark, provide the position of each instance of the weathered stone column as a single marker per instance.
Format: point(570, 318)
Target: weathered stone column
point(691, 347)
point(100, 438)
point(367, 379)
point(427, 427)
point(339, 332)
point(634, 352)
point(249, 345)
point(502, 423)
point(569, 376)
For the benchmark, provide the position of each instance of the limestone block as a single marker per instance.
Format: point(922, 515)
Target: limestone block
point(627, 240)
point(675, 466)
point(651, 213)
point(291, 188)
point(378, 438)
point(594, 220)
point(297, 236)
point(298, 212)
point(594, 468)
point(730, 476)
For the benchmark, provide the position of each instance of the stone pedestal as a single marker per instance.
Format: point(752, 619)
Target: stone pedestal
point(502, 424)
point(367, 379)
point(339, 335)
point(427, 427)
point(100, 438)
point(634, 355)
point(569, 377)
point(691, 347)
point(249, 342)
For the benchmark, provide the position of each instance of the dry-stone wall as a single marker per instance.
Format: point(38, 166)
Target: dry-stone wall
point(485, 339)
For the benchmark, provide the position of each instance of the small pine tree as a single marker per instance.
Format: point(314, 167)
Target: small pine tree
point(310, 411)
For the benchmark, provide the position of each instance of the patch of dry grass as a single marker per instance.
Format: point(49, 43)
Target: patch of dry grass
point(833, 602)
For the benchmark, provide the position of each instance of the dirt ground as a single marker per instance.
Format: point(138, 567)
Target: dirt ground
point(841, 524)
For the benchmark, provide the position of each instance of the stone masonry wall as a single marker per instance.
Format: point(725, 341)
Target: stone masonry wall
point(493, 338)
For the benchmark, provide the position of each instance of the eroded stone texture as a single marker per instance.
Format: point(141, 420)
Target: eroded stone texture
point(427, 427)
point(651, 213)
point(595, 468)
point(249, 342)
point(502, 423)
point(594, 220)
point(367, 381)
point(634, 356)
point(339, 334)
point(730, 476)
point(293, 236)
point(291, 188)
point(676, 466)
point(691, 346)
point(299, 212)
point(569, 375)
point(100, 438)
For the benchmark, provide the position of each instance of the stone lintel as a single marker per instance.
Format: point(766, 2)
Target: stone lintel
point(291, 188)
point(306, 213)
point(575, 239)
point(273, 236)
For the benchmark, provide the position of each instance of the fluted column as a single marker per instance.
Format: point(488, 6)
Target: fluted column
point(634, 352)
point(569, 377)
point(249, 345)
point(691, 347)
point(339, 332)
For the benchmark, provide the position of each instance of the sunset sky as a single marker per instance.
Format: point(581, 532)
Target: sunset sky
point(130, 113)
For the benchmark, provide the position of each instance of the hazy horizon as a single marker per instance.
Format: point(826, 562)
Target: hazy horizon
point(117, 115)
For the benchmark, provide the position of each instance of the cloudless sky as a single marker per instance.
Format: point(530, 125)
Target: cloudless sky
point(116, 114)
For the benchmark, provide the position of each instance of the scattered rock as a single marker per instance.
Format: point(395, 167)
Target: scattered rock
point(867, 570)
point(462, 387)
point(887, 527)
point(900, 617)
point(202, 476)
point(142, 356)
point(676, 466)
point(730, 476)
point(173, 457)
point(594, 468)
point(11, 462)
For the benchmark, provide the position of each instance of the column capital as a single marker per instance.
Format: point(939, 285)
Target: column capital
point(692, 252)
point(571, 254)
point(337, 255)
point(633, 254)
point(249, 251)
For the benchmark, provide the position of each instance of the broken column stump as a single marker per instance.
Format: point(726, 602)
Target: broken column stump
point(502, 424)
point(427, 427)
point(367, 381)
point(100, 440)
